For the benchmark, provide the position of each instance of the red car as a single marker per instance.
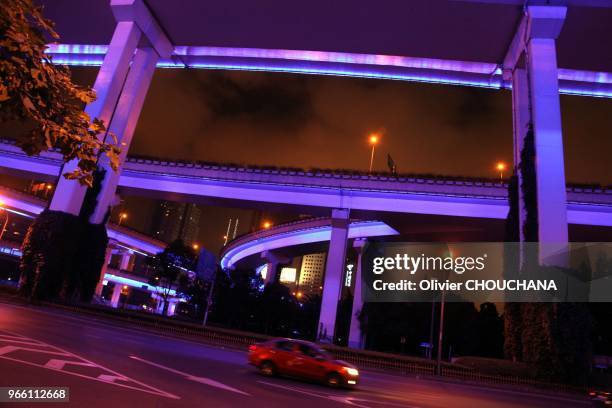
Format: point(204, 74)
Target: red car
point(301, 359)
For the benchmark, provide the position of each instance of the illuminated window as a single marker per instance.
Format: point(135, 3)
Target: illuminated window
point(288, 274)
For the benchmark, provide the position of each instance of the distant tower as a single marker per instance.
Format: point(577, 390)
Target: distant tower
point(174, 220)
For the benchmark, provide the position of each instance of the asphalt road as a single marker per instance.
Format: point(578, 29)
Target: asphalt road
point(109, 365)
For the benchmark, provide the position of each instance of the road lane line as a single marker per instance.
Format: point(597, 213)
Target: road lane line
point(143, 387)
point(347, 400)
point(202, 380)
point(29, 343)
point(8, 349)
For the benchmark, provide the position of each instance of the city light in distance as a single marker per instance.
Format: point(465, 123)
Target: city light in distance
point(266, 224)
point(195, 246)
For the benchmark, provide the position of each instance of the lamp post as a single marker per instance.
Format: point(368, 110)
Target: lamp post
point(373, 142)
point(501, 166)
point(48, 188)
point(6, 219)
point(122, 216)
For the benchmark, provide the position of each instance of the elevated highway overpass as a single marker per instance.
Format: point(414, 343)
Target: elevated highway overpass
point(316, 191)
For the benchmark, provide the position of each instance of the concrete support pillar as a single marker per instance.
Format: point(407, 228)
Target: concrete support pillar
point(159, 304)
point(550, 169)
point(123, 124)
point(107, 258)
point(356, 337)
point(334, 269)
point(172, 306)
point(532, 58)
point(69, 194)
point(116, 295)
point(125, 261)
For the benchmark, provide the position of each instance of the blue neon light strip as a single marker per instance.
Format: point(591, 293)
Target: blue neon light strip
point(137, 284)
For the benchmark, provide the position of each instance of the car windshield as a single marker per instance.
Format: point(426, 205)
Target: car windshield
point(313, 352)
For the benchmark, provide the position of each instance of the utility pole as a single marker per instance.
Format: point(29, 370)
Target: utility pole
point(235, 228)
point(227, 232)
point(209, 298)
point(431, 329)
point(440, 335)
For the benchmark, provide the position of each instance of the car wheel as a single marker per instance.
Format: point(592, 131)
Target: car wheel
point(267, 368)
point(333, 380)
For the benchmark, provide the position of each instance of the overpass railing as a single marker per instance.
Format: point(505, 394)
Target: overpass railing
point(327, 178)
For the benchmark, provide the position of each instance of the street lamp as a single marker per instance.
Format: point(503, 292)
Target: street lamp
point(48, 188)
point(374, 138)
point(267, 224)
point(195, 247)
point(6, 219)
point(501, 166)
point(122, 217)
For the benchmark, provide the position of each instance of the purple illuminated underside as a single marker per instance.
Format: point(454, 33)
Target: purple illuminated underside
point(451, 72)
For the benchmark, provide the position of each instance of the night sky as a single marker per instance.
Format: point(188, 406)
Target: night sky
point(323, 122)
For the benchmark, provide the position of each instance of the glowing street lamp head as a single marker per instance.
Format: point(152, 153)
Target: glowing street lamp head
point(500, 166)
point(49, 186)
point(195, 246)
point(373, 139)
point(123, 216)
point(267, 224)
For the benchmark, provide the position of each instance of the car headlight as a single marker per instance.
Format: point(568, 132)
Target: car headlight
point(352, 371)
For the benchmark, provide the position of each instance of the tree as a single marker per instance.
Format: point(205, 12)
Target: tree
point(490, 329)
point(41, 95)
point(168, 269)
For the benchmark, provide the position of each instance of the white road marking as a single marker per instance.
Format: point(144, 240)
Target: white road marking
point(59, 365)
point(7, 349)
point(347, 400)
point(202, 380)
point(111, 378)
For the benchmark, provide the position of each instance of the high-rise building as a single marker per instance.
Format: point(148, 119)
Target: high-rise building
point(311, 273)
point(174, 220)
